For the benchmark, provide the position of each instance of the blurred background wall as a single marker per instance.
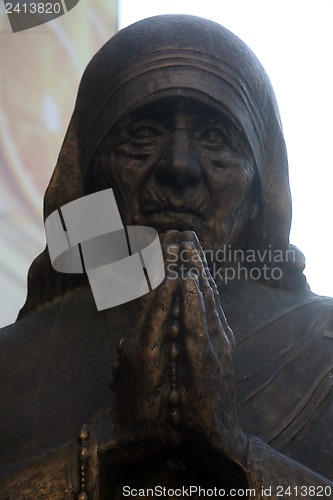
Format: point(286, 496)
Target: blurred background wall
point(40, 72)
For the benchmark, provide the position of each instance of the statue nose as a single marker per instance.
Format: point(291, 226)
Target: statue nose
point(179, 166)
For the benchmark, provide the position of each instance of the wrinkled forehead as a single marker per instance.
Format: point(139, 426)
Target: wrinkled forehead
point(166, 106)
point(183, 80)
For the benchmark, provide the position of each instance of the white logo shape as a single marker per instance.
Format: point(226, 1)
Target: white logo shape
point(87, 235)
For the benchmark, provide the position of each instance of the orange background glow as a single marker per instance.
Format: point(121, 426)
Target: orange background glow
point(40, 71)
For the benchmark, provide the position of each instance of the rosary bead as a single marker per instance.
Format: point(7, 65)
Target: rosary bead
point(173, 398)
point(120, 345)
point(83, 434)
point(173, 353)
point(174, 332)
point(176, 311)
point(84, 454)
point(82, 496)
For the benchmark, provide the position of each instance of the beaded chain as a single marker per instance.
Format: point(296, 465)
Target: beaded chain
point(173, 394)
point(83, 458)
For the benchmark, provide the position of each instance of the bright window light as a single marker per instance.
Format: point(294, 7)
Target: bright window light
point(294, 42)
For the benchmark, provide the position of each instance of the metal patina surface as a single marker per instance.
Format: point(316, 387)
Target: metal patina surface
point(222, 376)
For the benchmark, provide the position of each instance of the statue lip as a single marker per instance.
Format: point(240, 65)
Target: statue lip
point(156, 206)
point(174, 209)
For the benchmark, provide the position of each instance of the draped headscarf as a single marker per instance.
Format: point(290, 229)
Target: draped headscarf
point(163, 56)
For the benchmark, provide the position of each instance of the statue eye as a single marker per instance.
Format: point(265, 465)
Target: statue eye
point(213, 138)
point(144, 135)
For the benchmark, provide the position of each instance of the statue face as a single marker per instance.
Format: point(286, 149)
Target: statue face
point(179, 164)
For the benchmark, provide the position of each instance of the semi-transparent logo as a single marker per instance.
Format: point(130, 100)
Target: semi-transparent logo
point(87, 235)
point(25, 14)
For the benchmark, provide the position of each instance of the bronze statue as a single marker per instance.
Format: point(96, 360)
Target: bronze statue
point(222, 376)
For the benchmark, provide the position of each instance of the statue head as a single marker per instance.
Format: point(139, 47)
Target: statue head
point(177, 115)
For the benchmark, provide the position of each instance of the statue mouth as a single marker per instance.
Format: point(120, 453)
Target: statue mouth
point(178, 218)
point(171, 209)
point(165, 211)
